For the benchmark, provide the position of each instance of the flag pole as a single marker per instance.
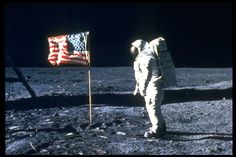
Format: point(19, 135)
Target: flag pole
point(90, 97)
point(89, 82)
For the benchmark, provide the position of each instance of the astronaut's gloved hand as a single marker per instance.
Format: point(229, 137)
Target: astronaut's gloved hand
point(135, 91)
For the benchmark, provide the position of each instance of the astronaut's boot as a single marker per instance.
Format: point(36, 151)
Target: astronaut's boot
point(160, 132)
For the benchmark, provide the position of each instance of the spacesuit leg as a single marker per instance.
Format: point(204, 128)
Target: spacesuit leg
point(153, 101)
point(159, 99)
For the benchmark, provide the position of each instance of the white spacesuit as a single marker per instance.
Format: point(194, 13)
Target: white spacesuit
point(149, 84)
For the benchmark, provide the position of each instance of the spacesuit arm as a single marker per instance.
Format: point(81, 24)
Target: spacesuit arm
point(136, 74)
point(146, 69)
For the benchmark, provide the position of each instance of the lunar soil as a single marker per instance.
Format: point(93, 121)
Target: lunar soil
point(197, 111)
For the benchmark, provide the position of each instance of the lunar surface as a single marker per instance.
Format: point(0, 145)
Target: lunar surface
point(197, 111)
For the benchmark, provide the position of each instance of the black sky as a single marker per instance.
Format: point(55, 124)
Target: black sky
point(198, 34)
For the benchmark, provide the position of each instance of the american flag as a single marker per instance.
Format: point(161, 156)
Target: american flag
point(68, 49)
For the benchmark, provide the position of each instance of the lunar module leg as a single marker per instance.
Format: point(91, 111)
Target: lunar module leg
point(21, 77)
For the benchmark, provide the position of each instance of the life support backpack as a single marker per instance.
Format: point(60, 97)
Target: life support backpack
point(165, 62)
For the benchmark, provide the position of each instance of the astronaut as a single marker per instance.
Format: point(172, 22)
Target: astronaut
point(149, 84)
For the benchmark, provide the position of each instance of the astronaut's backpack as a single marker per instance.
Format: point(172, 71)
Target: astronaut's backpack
point(159, 46)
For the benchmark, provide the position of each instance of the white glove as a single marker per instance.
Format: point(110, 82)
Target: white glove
point(135, 91)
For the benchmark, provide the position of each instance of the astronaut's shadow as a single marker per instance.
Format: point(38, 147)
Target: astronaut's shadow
point(194, 136)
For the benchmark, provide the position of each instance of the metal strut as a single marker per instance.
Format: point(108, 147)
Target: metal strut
point(21, 77)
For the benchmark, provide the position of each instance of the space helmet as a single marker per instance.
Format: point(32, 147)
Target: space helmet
point(138, 46)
